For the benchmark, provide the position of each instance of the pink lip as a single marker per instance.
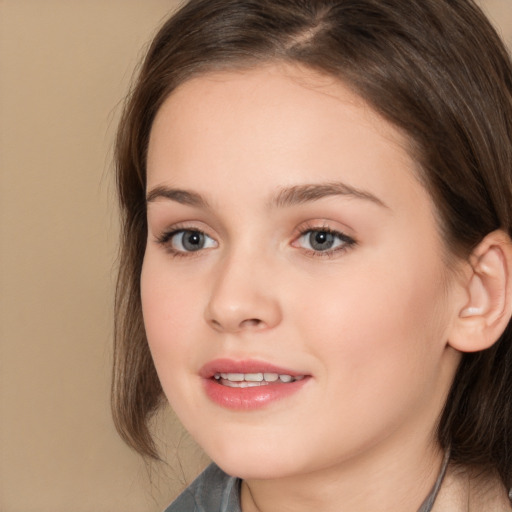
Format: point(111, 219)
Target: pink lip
point(249, 366)
point(247, 398)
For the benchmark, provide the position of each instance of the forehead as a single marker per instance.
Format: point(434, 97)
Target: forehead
point(277, 122)
point(284, 97)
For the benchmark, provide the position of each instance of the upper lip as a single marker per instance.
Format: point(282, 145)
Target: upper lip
point(244, 366)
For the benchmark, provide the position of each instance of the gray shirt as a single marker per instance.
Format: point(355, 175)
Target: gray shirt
point(211, 491)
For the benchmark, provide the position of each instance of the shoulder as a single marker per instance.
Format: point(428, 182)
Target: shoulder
point(212, 491)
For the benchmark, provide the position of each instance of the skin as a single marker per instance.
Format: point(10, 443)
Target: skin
point(369, 322)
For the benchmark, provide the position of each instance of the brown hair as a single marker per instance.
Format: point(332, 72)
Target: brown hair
point(434, 68)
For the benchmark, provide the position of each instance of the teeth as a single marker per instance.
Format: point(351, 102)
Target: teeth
point(245, 380)
point(254, 377)
point(233, 377)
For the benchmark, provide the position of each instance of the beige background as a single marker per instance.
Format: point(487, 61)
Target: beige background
point(64, 68)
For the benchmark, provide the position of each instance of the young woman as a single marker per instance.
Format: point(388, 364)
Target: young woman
point(316, 259)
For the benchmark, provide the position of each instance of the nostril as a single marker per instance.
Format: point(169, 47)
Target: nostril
point(216, 324)
point(247, 324)
point(251, 322)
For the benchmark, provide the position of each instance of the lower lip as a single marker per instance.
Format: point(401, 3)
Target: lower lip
point(248, 399)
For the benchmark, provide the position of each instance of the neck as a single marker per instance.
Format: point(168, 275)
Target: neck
point(397, 480)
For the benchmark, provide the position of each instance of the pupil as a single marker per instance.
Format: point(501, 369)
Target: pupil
point(193, 241)
point(321, 240)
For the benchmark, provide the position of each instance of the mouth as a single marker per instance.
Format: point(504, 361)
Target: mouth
point(248, 385)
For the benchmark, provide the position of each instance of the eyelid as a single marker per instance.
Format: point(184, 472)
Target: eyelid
point(323, 226)
point(166, 236)
point(162, 232)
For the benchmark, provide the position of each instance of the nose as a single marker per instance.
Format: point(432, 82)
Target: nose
point(243, 297)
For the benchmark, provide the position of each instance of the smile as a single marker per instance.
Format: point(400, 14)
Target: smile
point(248, 380)
point(248, 385)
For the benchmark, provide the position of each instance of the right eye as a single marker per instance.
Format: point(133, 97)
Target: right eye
point(189, 240)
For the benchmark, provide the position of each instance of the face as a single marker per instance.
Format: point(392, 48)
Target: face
point(295, 296)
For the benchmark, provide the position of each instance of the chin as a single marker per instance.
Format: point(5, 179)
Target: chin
point(256, 464)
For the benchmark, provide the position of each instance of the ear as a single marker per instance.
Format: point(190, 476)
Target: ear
point(488, 295)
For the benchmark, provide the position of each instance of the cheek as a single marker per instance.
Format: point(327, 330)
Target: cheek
point(381, 348)
point(376, 324)
point(171, 320)
point(167, 314)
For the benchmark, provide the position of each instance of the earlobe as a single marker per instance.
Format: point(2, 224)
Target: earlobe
point(488, 308)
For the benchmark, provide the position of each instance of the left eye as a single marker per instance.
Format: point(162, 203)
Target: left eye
point(323, 240)
point(191, 241)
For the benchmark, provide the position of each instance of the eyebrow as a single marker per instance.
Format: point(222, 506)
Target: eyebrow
point(300, 194)
point(180, 196)
point(286, 197)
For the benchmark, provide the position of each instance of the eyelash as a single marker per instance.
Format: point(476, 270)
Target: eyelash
point(347, 242)
point(166, 237)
